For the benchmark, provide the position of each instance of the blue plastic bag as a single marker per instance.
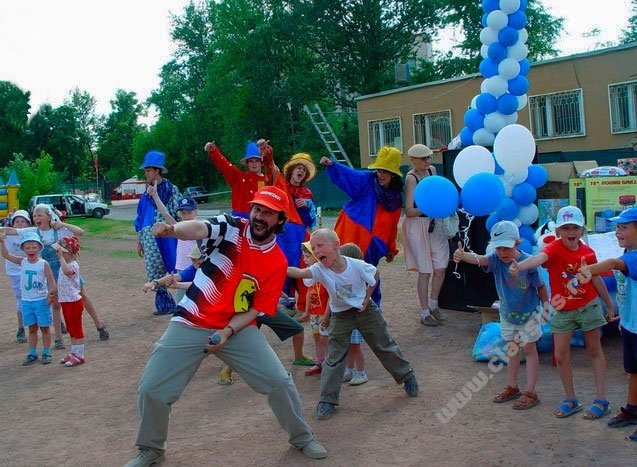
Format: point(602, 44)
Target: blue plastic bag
point(489, 344)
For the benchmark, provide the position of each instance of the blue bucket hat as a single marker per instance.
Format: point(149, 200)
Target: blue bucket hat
point(626, 216)
point(154, 159)
point(187, 204)
point(31, 237)
point(252, 151)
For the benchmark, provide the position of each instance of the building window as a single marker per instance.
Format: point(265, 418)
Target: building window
point(433, 129)
point(623, 107)
point(384, 133)
point(557, 115)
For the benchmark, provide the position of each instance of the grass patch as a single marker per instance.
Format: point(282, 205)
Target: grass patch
point(126, 254)
point(113, 229)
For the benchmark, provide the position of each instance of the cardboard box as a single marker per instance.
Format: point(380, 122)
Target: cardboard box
point(489, 314)
point(559, 173)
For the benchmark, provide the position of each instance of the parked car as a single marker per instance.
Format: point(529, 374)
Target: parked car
point(198, 193)
point(71, 205)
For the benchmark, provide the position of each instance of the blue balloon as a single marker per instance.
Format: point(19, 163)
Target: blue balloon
point(436, 196)
point(611, 283)
point(525, 67)
point(497, 52)
point(518, 85)
point(488, 68)
point(508, 209)
point(466, 137)
point(489, 5)
point(526, 246)
point(481, 194)
point(498, 169)
point(486, 103)
point(538, 175)
point(524, 193)
point(492, 220)
point(508, 36)
point(484, 20)
point(507, 104)
point(522, 5)
point(474, 119)
point(517, 20)
point(526, 231)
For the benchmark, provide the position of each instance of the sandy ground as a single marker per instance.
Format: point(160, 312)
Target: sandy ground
point(52, 415)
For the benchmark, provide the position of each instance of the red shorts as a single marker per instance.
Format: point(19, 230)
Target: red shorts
point(73, 318)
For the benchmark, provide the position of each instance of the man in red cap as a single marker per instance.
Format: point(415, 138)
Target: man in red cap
point(242, 275)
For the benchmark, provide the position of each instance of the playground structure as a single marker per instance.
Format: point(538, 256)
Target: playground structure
point(9, 195)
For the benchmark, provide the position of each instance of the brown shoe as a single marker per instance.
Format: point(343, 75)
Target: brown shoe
point(429, 321)
point(526, 401)
point(508, 394)
point(438, 315)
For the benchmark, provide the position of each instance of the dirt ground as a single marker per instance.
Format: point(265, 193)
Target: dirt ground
point(52, 415)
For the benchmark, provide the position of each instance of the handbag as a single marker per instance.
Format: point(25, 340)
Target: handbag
point(450, 225)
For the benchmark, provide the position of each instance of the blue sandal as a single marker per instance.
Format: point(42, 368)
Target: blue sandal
point(598, 409)
point(567, 408)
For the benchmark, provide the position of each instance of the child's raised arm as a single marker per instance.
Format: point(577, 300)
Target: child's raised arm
point(529, 263)
point(586, 271)
point(64, 266)
point(297, 273)
point(5, 253)
point(469, 257)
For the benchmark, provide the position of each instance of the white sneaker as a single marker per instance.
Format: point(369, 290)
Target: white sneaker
point(146, 457)
point(359, 379)
point(348, 376)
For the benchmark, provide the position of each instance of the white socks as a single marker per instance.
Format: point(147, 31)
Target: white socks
point(433, 304)
point(78, 350)
point(424, 313)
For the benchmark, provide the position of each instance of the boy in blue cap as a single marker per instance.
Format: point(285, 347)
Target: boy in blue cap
point(625, 270)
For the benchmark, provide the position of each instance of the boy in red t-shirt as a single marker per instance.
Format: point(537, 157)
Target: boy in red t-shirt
point(577, 308)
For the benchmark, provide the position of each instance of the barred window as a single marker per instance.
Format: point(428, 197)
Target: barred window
point(623, 107)
point(384, 133)
point(557, 115)
point(433, 129)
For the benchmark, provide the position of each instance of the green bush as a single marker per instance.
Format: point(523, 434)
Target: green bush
point(36, 177)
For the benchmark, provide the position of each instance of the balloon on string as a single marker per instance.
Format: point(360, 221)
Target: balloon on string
point(488, 36)
point(490, 5)
point(508, 36)
point(494, 122)
point(498, 19)
point(497, 52)
point(524, 193)
point(474, 119)
point(528, 214)
point(522, 101)
point(507, 104)
point(498, 170)
point(492, 220)
point(526, 246)
point(483, 137)
point(474, 104)
point(508, 187)
point(436, 196)
point(470, 161)
point(509, 6)
point(483, 21)
point(523, 35)
point(508, 68)
point(507, 209)
point(481, 194)
point(523, 5)
point(514, 148)
point(466, 137)
point(526, 231)
point(519, 51)
point(516, 20)
point(518, 85)
point(496, 86)
point(538, 175)
point(511, 119)
point(484, 49)
point(488, 67)
point(516, 177)
point(486, 103)
point(525, 66)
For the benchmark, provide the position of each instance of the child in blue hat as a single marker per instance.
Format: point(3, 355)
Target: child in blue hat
point(38, 289)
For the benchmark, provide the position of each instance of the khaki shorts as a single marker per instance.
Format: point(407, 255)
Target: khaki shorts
point(586, 318)
point(526, 333)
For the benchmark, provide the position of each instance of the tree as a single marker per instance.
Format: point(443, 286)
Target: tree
point(14, 111)
point(36, 176)
point(630, 33)
point(116, 137)
point(88, 122)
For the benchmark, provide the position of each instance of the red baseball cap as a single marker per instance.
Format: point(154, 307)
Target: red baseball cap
point(271, 197)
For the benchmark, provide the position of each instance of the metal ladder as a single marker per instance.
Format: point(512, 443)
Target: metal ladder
point(327, 135)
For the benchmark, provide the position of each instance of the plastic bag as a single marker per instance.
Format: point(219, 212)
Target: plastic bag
point(450, 225)
point(489, 344)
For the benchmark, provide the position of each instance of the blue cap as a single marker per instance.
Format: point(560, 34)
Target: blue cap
point(626, 216)
point(187, 204)
point(252, 151)
point(154, 159)
point(31, 237)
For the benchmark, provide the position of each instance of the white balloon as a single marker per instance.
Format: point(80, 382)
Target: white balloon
point(511, 119)
point(518, 51)
point(473, 102)
point(497, 19)
point(496, 86)
point(522, 101)
point(517, 177)
point(494, 122)
point(488, 36)
point(509, 68)
point(483, 137)
point(470, 161)
point(509, 6)
point(484, 51)
point(514, 148)
point(523, 36)
point(517, 221)
point(528, 214)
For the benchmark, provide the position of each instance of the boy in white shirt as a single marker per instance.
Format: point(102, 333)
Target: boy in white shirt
point(350, 283)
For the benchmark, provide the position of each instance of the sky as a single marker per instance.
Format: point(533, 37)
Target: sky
point(49, 47)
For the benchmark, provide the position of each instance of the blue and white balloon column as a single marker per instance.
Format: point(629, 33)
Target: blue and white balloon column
point(504, 68)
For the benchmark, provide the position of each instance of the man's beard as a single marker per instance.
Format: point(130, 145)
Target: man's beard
point(265, 235)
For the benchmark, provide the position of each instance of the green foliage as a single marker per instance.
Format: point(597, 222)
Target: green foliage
point(630, 33)
point(36, 177)
point(14, 110)
point(111, 228)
